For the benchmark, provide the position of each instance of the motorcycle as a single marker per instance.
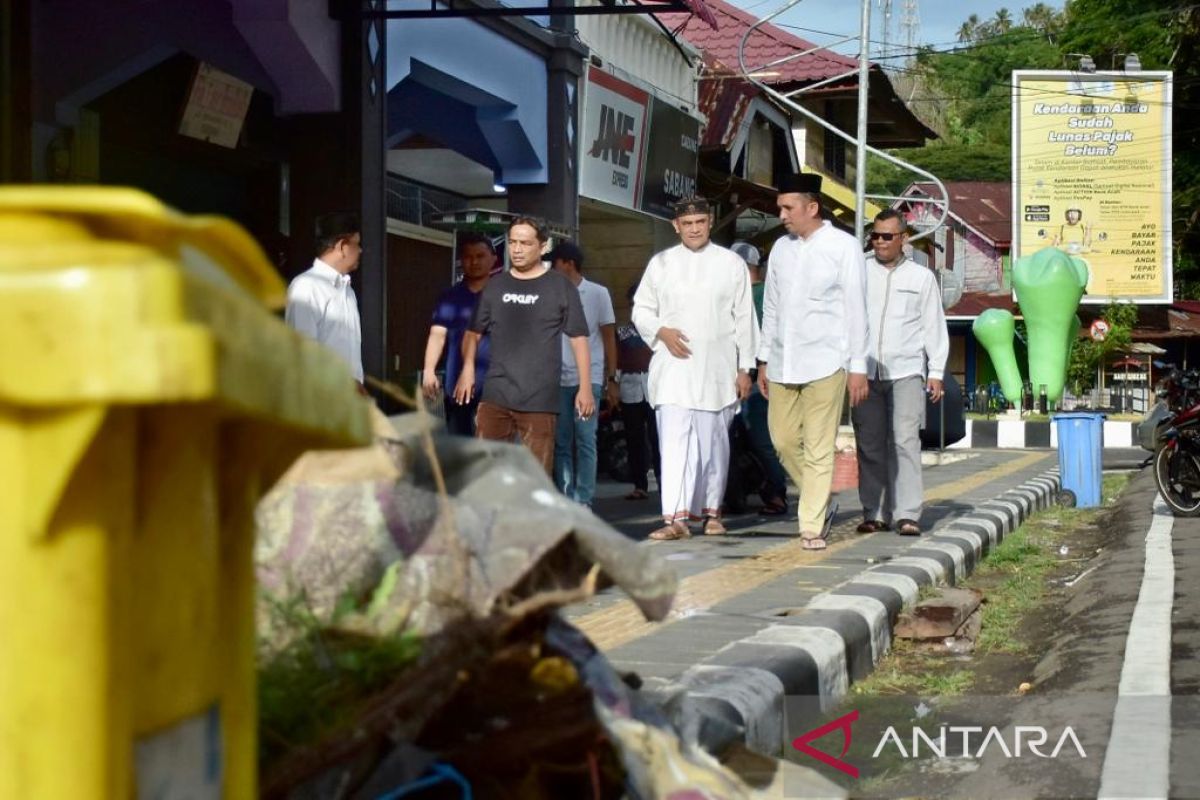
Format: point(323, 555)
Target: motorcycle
point(1171, 430)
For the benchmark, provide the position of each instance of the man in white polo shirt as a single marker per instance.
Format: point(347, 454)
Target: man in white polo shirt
point(320, 303)
point(575, 437)
point(813, 347)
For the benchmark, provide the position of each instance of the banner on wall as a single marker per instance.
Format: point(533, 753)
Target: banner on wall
point(639, 152)
point(1092, 177)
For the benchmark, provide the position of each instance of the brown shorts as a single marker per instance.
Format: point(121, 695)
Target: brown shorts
point(534, 429)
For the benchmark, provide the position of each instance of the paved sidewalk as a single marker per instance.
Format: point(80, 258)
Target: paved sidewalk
point(761, 566)
point(758, 619)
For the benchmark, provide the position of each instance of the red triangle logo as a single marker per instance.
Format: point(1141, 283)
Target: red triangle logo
point(843, 724)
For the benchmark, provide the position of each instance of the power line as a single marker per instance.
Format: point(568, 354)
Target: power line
point(1019, 31)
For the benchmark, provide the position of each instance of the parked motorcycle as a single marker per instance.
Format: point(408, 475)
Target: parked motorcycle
point(1171, 430)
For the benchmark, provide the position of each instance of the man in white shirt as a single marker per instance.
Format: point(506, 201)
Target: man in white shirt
point(907, 329)
point(813, 347)
point(320, 303)
point(693, 306)
point(575, 437)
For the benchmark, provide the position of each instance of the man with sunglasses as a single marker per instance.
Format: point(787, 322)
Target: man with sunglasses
point(907, 332)
point(813, 346)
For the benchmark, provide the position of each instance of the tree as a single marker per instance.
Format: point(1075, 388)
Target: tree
point(1002, 22)
point(969, 29)
point(1042, 18)
point(948, 161)
point(1088, 354)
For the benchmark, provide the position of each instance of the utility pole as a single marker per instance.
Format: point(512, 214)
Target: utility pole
point(910, 24)
point(860, 148)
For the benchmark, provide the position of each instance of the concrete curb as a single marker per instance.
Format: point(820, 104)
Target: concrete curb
point(1013, 434)
point(811, 655)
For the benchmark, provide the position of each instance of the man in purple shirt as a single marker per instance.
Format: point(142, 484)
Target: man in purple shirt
point(451, 316)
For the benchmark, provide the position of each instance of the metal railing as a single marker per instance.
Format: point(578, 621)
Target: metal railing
point(788, 100)
point(416, 204)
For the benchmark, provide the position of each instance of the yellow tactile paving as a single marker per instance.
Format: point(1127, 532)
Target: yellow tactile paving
point(621, 622)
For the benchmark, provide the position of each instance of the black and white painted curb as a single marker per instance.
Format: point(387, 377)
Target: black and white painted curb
point(1020, 435)
point(812, 656)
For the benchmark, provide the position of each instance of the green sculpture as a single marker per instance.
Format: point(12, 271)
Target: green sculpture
point(1049, 285)
point(994, 330)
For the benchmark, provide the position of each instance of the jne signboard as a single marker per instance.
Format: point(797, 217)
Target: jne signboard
point(638, 152)
point(1092, 177)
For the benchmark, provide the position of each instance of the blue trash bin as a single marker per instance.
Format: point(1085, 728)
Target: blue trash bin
point(1080, 455)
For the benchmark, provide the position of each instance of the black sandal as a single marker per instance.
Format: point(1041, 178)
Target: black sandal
point(774, 507)
point(908, 527)
point(827, 528)
point(871, 526)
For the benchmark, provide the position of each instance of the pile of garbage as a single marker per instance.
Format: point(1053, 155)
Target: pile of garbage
point(410, 640)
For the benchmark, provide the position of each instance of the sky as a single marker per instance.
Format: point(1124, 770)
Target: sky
point(940, 19)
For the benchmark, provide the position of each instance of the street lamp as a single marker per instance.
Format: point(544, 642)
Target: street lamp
point(1086, 64)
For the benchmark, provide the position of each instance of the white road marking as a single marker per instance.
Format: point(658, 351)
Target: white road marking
point(1137, 762)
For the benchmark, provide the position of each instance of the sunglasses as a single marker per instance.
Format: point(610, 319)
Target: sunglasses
point(887, 237)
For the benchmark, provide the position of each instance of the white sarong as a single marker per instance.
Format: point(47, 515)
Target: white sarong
point(694, 448)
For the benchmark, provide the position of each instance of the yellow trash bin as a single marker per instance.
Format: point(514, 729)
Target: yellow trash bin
point(147, 399)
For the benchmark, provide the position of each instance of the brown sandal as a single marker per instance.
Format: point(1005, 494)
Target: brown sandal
point(714, 527)
point(908, 527)
point(871, 526)
point(813, 543)
point(671, 532)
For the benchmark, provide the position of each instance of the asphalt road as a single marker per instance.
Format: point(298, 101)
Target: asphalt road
point(1120, 669)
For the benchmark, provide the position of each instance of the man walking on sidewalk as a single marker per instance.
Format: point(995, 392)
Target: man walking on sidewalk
point(907, 330)
point(814, 345)
point(525, 312)
point(575, 438)
point(694, 307)
point(451, 315)
point(773, 491)
point(641, 432)
point(320, 301)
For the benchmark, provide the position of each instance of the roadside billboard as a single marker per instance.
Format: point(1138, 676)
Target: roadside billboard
point(1092, 176)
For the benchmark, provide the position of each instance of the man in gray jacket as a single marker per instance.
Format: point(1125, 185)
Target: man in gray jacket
point(907, 342)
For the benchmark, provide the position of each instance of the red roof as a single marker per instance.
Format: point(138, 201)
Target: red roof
point(972, 304)
point(984, 206)
point(767, 44)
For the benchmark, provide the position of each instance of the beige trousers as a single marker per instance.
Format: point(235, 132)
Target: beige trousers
point(803, 419)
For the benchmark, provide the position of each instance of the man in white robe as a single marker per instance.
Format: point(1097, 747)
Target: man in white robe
point(695, 308)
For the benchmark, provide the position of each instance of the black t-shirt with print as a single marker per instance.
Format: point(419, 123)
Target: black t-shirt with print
point(524, 320)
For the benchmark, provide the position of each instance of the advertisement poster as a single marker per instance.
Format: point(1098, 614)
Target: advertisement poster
point(614, 140)
point(1092, 177)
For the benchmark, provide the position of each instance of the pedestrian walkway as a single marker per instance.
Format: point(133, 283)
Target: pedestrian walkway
point(732, 586)
point(759, 623)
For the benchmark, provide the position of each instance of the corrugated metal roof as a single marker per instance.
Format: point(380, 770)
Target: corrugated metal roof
point(972, 304)
point(723, 104)
point(985, 206)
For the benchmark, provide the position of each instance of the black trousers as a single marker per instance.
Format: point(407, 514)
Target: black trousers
point(641, 437)
point(460, 419)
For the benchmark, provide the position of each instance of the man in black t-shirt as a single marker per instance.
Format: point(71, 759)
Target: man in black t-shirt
point(524, 312)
